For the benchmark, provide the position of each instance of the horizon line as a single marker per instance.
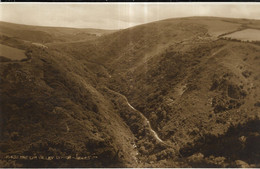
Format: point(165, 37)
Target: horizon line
point(46, 26)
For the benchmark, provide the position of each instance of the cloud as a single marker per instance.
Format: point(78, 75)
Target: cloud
point(118, 15)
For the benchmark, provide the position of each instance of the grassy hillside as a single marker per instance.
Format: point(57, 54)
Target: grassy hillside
point(50, 107)
point(48, 34)
point(92, 98)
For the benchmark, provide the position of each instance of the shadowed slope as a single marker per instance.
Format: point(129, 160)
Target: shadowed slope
point(181, 76)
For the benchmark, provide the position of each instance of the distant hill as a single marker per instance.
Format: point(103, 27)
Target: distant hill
point(171, 93)
point(49, 34)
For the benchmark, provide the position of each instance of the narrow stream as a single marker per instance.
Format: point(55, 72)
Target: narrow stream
point(147, 121)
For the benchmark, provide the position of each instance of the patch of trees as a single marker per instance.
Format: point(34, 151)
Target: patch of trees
point(239, 142)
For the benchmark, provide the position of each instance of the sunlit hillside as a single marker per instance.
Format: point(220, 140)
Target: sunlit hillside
point(173, 93)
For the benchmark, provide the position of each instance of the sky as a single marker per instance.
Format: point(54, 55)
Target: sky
point(117, 15)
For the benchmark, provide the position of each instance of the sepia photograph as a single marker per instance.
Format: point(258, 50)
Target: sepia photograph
point(129, 85)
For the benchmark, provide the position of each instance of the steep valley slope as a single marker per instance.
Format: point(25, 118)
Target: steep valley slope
point(172, 93)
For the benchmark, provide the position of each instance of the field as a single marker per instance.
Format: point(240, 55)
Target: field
point(12, 53)
point(245, 35)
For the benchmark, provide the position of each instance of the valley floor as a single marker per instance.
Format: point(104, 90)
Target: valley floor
point(172, 93)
